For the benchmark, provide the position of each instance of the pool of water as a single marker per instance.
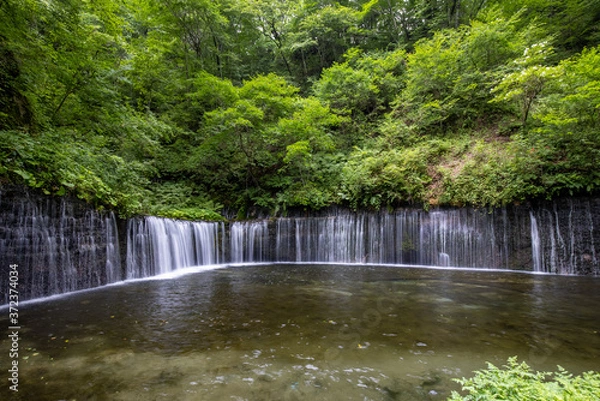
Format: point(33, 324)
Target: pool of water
point(300, 332)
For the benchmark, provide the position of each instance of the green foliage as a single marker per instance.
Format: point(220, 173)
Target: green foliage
point(449, 76)
point(200, 26)
point(566, 133)
point(265, 132)
point(57, 164)
point(516, 381)
point(180, 106)
point(363, 84)
point(525, 84)
point(180, 200)
point(211, 92)
point(309, 181)
point(374, 179)
point(574, 22)
point(62, 78)
point(270, 93)
point(348, 90)
point(491, 174)
point(326, 33)
point(311, 121)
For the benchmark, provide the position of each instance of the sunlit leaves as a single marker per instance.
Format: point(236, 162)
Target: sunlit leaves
point(575, 92)
point(364, 85)
point(270, 93)
point(348, 90)
point(573, 22)
point(312, 122)
point(567, 122)
point(524, 86)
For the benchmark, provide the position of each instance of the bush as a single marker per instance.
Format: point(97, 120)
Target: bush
point(180, 200)
point(375, 179)
point(492, 174)
point(57, 163)
point(519, 382)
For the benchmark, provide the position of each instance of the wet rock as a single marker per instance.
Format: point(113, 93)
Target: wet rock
point(267, 378)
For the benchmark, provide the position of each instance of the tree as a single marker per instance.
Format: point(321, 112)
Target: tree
point(573, 22)
point(202, 30)
point(273, 21)
point(62, 75)
point(364, 83)
point(566, 135)
point(263, 141)
point(449, 77)
point(526, 82)
point(322, 33)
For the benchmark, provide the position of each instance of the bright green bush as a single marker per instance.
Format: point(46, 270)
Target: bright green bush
point(449, 76)
point(189, 214)
point(517, 381)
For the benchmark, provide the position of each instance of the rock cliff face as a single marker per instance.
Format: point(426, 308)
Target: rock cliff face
point(568, 240)
point(62, 245)
point(59, 244)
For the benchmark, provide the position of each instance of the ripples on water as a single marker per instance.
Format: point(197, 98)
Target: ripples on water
point(301, 332)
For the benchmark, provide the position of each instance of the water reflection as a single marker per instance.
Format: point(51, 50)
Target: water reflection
point(302, 332)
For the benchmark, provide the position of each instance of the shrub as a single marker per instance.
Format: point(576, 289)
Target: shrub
point(516, 381)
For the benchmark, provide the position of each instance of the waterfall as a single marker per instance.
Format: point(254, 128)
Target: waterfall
point(319, 239)
point(157, 246)
point(568, 236)
point(535, 244)
point(459, 237)
point(206, 243)
point(62, 245)
point(59, 246)
point(550, 238)
point(249, 241)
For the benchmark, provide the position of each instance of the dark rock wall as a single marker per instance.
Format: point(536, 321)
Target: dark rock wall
point(59, 244)
point(569, 236)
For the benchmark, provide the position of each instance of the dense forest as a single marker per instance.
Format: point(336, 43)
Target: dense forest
point(188, 108)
